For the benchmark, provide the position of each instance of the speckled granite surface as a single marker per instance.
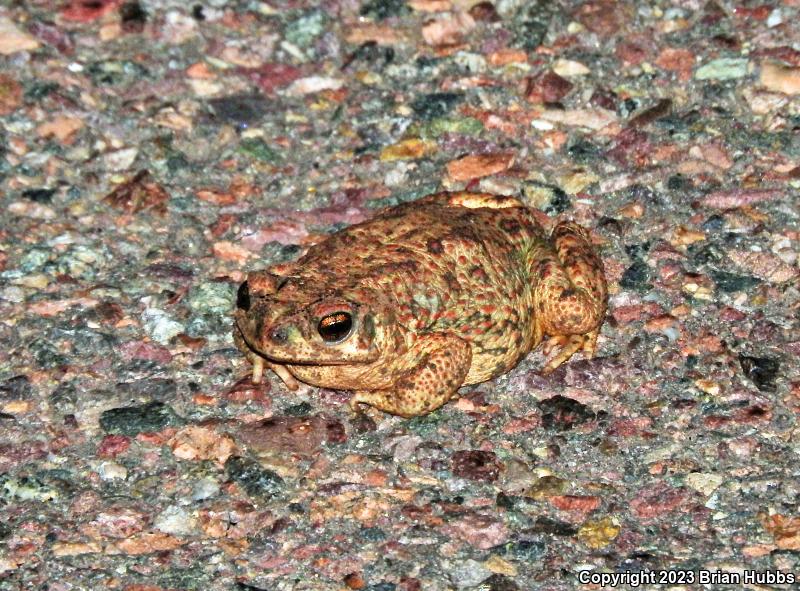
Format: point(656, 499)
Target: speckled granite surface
point(153, 152)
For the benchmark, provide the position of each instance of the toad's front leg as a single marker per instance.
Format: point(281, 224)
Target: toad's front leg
point(439, 365)
point(259, 363)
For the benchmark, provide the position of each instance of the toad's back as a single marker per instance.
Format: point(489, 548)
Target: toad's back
point(461, 263)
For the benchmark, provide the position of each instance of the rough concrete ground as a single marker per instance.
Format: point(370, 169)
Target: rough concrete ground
point(154, 151)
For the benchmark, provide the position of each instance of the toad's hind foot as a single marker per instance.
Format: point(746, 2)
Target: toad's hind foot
point(570, 295)
point(570, 344)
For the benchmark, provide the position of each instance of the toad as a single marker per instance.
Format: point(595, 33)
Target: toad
point(425, 297)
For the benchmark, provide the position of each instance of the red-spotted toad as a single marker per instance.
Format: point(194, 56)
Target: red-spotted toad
point(425, 297)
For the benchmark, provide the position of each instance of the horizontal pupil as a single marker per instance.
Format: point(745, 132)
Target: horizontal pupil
point(335, 326)
point(333, 319)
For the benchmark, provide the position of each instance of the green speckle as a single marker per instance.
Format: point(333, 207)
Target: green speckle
point(302, 409)
point(34, 259)
point(636, 277)
point(435, 105)
point(26, 489)
point(215, 298)
point(304, 30)
point(381, 9)
point(80, 262)
point(726, 68)
point(731, 282)
point(258, 149)
point(442, 125)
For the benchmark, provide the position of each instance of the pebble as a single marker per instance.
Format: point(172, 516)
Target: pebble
point(138, 193)
point(81, 262)
point(468, 573)
point(304, 30)
point(599, 533)
point(112, 471)
point(657, 499)
point(119, 160)
point(778, 78)
point(704, 482)
point(475, 166)
point(447, 30)
point(10, 94)
point(201, 443)
point(175, 520)
point(313, 84)
point(113, 445)
point(13, 39)
point(762, 371)
point(37, 211)
point(62, 127)
point(160, 326)
point(481, 531)
point(255, 480)
point(569, 68)
point(548, 87)
point(731, 282)
point(726, 68)
point(260, 150)
point(26, 488)
point(763, 265)
point(432, 106)
point(476, 465)
point(562, 413)
point(132, 420)
point(212, 298)
point(498, 582)
point(784, 529)
point(288, 435)
point(205, 488)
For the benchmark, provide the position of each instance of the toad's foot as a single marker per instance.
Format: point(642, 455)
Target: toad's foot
point(570, 296)
point(259, 363)
point(439, 365)
point(570, 344)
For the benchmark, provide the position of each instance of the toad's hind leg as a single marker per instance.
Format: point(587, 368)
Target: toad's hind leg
point(571, 295)
point(439, 363)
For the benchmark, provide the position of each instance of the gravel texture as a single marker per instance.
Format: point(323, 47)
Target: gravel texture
point(154, 151)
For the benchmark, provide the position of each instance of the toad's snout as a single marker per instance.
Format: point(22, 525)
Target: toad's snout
point(279, 335)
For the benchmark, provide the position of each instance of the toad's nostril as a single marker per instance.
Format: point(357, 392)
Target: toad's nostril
point(243, 297)
point(279, 335)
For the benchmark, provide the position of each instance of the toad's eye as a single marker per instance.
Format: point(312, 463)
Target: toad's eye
point(335, 327)
point(243, 297)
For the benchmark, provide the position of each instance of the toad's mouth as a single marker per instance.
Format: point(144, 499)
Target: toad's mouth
point(259, 358)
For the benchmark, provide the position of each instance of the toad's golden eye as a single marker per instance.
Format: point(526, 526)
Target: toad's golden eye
point(335, 327)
